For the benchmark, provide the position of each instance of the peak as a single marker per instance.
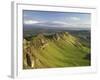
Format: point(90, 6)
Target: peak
point(40, 34)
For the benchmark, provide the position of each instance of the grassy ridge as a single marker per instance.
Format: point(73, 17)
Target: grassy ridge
point(60, 50)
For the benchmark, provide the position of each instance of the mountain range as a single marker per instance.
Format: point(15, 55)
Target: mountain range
point(57, 49)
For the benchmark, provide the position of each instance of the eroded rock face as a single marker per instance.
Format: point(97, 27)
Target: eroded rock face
point(57, 37)
point(30, 51)
point(28, 59)
point(39, 41)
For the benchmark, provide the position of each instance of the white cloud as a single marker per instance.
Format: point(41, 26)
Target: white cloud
point(30, 22)
point(75, 18)
point(59, 22)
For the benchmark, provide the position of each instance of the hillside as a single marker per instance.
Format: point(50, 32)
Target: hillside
point(60, 49)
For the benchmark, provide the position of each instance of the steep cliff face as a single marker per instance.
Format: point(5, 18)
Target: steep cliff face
point(60, 49)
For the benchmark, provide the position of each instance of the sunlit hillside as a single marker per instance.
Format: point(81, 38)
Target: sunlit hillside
point(60, 49)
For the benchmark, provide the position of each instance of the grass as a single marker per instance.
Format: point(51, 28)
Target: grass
point(65, 52)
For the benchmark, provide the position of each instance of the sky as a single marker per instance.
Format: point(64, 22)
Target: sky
point(56, 19)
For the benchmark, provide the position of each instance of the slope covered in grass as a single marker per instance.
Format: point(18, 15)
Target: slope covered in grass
point(56, 50)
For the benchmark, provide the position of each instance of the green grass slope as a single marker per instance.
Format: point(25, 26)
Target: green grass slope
point(58, 50)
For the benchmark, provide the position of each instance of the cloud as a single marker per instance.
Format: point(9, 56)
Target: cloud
point(60, 22)
point(29, 22)
point(75, 18)
point(57, 23)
